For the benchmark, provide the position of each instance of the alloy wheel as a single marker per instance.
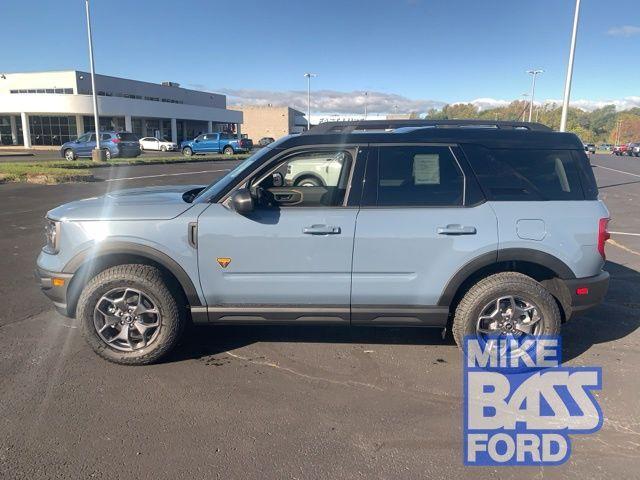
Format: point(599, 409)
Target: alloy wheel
point(509, 316)
point(127, 319)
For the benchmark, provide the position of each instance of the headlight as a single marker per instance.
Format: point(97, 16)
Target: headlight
point(52, 236)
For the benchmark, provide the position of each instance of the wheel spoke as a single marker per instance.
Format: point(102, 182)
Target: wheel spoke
point(143, 327)
point(123, 334)
point(110, 320)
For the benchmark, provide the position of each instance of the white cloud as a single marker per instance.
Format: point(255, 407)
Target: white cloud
point(332, 103)
point(625, 103)
point(487, 103)
point(624, 31)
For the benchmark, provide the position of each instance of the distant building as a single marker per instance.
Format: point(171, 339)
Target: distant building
point(50, 108)
point(268, 121)
point(403, 116)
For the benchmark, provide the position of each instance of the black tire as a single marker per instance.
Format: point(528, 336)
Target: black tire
point(163, 148)
point(308, 181)
point(498, 285)
point(69, 154)
point(187, 151)
point(107, 154)
point(144, 278)
point(228, 150)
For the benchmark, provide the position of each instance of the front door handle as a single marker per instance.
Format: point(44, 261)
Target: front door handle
point(321, 230)
point(456, 229)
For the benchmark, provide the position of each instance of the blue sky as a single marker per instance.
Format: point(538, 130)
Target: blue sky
point(419, 50)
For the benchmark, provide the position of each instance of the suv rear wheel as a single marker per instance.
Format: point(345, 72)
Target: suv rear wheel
point(129, 316)
point(187, 152)
point(506, 304)
point(228, 150)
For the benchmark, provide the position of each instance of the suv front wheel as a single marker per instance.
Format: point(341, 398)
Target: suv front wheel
point(507, 304)
point(129, 316)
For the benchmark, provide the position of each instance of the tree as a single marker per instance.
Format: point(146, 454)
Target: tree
point(629, 129)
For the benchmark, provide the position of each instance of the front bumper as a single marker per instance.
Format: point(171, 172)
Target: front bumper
point(56, 293)
point(592, 292)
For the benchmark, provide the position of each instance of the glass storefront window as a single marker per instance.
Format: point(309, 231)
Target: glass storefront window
point(106, 124)
point(52, 130)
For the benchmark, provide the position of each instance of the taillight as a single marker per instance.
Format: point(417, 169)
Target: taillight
point(116, 140)
point(603, 235)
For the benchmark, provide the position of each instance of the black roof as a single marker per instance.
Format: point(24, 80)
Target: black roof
point(479, 132)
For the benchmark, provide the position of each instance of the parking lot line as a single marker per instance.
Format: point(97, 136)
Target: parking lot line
point(626, 233)
point(626, 249)
point(166, 175)
point(616, 170)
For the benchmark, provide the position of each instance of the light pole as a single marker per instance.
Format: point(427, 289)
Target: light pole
point(96, 117)
point(567, 83)
point(618, 133)
point(534, 74)
point(309, 75)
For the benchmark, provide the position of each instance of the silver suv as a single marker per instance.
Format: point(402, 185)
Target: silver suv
point(491, 230)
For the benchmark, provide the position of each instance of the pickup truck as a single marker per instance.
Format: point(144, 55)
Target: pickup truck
point(215, 143)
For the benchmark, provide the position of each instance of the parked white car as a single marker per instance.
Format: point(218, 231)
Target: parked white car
point(153, 143)
point(316, 170)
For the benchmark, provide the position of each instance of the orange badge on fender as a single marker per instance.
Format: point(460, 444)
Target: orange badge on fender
point(223, 261)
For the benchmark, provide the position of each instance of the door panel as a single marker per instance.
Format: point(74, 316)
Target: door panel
point(401, 259)
point(86, 147)
point(413, 234)
point(274, 262)
point(210, 143)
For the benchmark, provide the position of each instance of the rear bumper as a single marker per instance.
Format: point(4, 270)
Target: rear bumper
point(128, 151)
point(56, 293)
point(593, 290)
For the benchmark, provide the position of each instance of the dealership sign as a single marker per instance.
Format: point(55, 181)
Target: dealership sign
point(521, 404)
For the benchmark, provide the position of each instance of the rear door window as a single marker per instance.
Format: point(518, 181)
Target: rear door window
point(523, 174)
point(418, 176)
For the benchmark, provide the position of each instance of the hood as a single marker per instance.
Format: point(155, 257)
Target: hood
point(150, 203)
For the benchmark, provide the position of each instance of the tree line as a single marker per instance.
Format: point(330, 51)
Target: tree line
point(603, 125)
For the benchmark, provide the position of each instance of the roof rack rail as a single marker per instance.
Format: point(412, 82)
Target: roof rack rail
point(369, 125)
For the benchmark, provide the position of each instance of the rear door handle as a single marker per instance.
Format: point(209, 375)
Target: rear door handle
point(456, 229)
point(321, 230)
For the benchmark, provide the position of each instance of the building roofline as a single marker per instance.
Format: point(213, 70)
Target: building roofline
point(76, 71)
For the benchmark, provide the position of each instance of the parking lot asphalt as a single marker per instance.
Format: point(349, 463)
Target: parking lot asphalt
point(281, 402)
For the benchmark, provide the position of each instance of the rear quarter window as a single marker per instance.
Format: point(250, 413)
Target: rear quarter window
point(128, 137)
point(524, 174)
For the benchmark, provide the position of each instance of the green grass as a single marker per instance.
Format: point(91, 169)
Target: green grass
point(61, 171)
point(34, 173)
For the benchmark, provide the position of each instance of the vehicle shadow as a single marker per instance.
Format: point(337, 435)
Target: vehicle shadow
point(616, 318)
point(204, 341)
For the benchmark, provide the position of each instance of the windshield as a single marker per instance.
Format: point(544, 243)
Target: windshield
point(223, 182)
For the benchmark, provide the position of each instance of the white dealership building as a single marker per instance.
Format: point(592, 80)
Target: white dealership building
point(50, 108)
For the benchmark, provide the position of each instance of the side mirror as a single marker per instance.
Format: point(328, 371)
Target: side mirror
point(242, 201)
point(277, 180)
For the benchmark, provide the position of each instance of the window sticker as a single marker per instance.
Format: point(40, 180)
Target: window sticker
point(426, 169)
